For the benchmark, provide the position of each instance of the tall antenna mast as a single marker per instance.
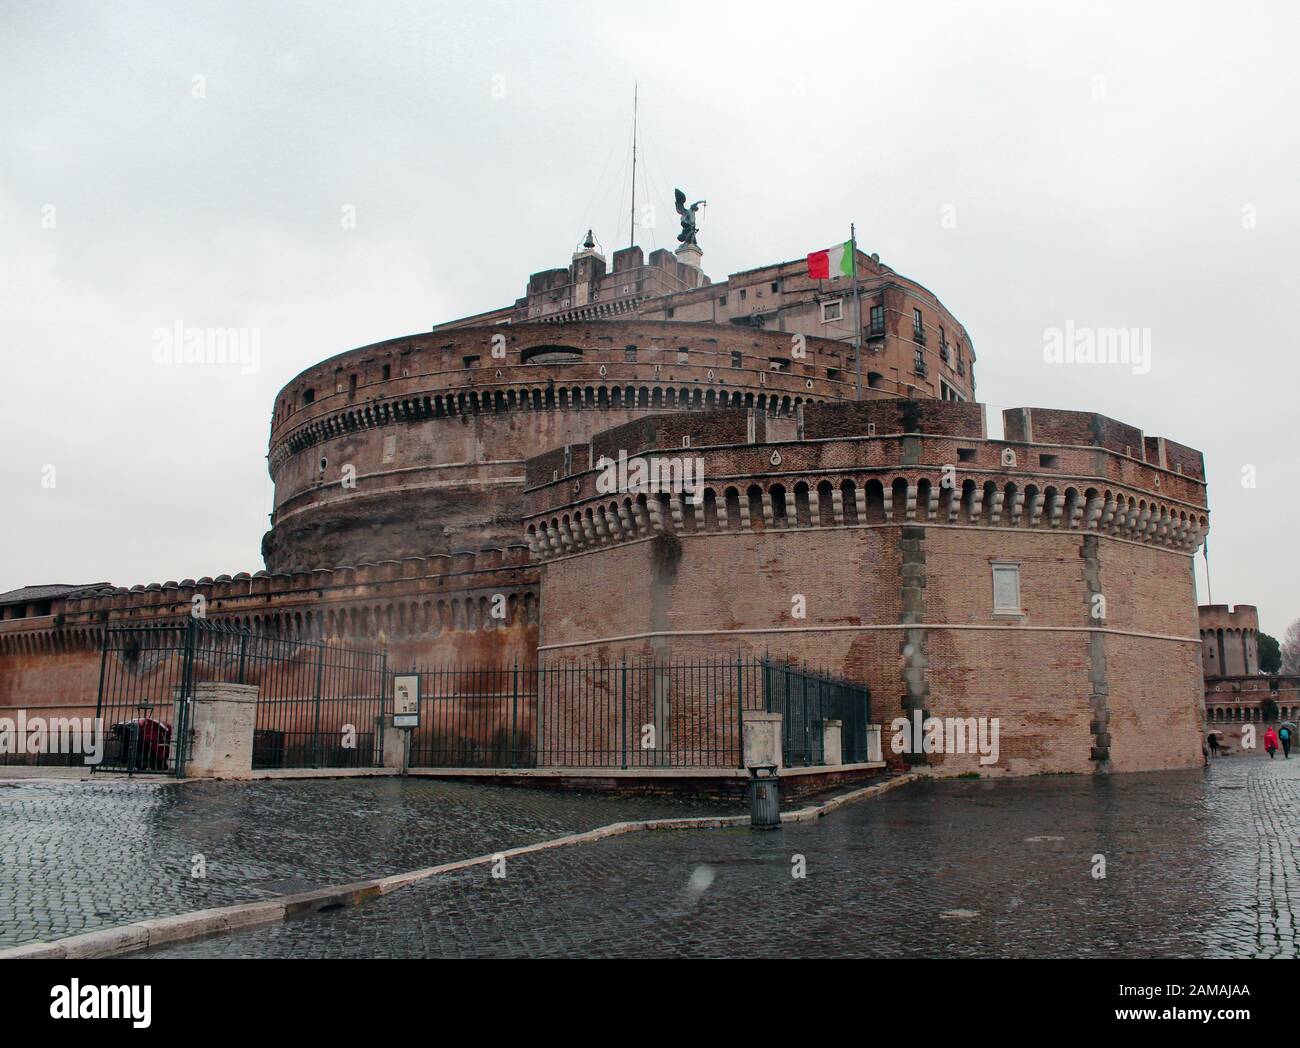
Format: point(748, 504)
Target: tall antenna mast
point(632, 223)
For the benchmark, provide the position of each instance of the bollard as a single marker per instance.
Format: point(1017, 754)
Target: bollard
point(764, 797)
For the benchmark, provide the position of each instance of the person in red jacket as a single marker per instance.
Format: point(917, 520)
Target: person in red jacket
point(1270, 742)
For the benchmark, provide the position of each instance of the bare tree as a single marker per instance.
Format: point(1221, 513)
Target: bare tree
point(1291, 648)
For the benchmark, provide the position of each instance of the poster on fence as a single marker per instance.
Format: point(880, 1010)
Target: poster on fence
point(406, 701)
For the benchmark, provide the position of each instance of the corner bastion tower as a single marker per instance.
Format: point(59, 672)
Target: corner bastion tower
point(1042, 578)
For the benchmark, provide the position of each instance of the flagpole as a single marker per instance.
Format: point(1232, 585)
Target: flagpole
point(631, 231)
point(857, 315)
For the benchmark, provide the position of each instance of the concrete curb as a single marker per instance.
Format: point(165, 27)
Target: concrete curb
point(200, 924)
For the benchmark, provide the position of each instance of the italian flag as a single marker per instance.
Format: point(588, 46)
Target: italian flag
point(835, 261)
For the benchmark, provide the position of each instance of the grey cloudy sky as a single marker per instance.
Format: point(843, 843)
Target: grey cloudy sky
point(1100, 165)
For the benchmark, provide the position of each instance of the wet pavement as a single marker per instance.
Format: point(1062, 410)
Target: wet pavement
point(1196, 863)
point(78, 855)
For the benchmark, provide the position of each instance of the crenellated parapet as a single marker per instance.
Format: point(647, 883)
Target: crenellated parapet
point(387, 601)
point(554, 367)
point(867, 464)
point(1229, 640)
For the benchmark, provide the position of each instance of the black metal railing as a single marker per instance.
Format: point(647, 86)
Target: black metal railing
point(806, 702)
point(476, 717)
point(635, 714)
point(318, 705)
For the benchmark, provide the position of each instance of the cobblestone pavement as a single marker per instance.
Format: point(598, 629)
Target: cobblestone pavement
point(1197, 864)
point(77, 855)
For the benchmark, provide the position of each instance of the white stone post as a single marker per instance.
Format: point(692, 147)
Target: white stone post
point(221, 722)
point(832, 742)
point(761, 738)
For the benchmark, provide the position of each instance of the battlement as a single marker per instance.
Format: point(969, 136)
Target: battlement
point(917, 462)
point(1225, 616)
point(243, 594)
point(454, 373)
point(1229, 640)
point(738, 446)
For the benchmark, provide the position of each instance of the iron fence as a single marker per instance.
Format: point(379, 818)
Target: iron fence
point(476, 717)
point(806, 702)
point(633, 714)
point(318, 705)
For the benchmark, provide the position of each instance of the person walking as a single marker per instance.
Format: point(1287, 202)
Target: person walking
point(1214, 744)
point(1284, 735)
point(1270, 741)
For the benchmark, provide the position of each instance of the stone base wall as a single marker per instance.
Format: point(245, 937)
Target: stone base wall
point(1070, 693)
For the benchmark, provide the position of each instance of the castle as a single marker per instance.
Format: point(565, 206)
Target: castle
point(854, 512)
point(1236, 692)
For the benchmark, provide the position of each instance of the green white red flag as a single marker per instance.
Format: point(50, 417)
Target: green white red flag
point(835, 261)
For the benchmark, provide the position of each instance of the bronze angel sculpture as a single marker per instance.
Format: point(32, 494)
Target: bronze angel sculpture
point(689, 225)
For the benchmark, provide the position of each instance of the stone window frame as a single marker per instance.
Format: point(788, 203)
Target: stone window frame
point(1006, 566)
point(838, 303)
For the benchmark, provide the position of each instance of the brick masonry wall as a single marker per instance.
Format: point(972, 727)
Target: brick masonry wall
point(1038, 683)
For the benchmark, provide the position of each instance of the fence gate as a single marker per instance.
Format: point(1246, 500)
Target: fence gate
point(806, 701)
point(145, 677)
point(318, 705)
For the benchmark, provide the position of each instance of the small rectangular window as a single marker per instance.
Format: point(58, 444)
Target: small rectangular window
point(469, 362)
point(722, 300)
point(671, 311)
point(1006, 589)
point(388, 372)
point(775, 286)
point(683, 354)
point(917, 326)
point(1050, 461)
point(877, 320)
point(736, 361)
point(629, 354)
point(965, 454)
point(832, 310)
point(742, 294)
point(778, 364)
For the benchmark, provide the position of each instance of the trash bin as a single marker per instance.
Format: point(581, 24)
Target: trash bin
point(268, 748)
point(764, 797)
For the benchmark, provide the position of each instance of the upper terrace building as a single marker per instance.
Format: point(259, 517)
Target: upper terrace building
point(431, 430)
point(912, 345)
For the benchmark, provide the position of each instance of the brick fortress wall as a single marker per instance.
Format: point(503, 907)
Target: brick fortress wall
point(426, 610)
point(846, 507)
point(416, 446)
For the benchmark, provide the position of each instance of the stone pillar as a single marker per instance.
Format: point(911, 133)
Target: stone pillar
point(761, 738)
point(832, 742)
point(874, 752)
point(221, 721)
point(396, 743)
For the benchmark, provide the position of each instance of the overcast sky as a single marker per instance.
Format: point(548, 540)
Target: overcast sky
point(1036, 165)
